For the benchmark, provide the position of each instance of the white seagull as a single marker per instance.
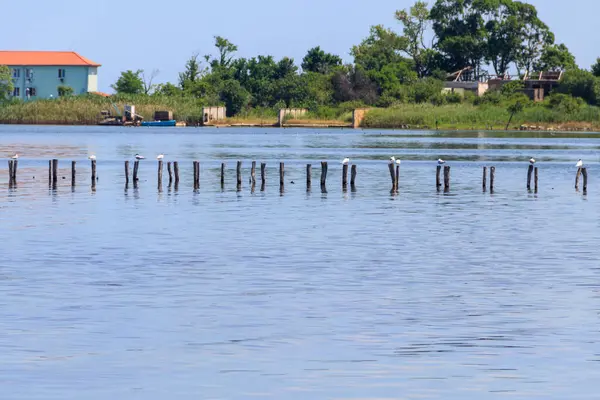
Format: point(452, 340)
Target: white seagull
point(92, 157)
point(579, 163)
point(138, 157)
point(398, 162)
point(532, 161)
point(440, 161)
point(15, 156)
point(392, 159)
point(345, 161)
point(160, 156)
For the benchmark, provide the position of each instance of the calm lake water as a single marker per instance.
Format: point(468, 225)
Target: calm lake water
point(136, 294)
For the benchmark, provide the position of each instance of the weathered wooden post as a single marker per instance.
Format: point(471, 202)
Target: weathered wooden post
point(353, 175)
point(222, 175)
point(176, 172)
point(49, 172)
point(93, 172)
point(447, 178)
point(577, 178)
point(170, 172)
point(392, 175)
point(397, 180)
point(136, 167)
point(126, 174)
point(308, 176)
point(239, 174)
point(10, 171)
point(535, 179)
point(73, 172)
point(281, 176)
point(54, 172)
point(196, 175)
point(263, 176)
point(160, 174)
point(484, 179)
point(492, 178)
point(15, 164)
point(584, 173)
point(253, 173)
point(323, 173)
point(529, 172)
point(438, 182)
point(345, 176)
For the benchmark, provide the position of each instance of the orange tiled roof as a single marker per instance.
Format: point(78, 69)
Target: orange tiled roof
point(33, 58)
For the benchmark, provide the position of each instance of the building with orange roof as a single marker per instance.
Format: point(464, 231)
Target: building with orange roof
point(40, 74)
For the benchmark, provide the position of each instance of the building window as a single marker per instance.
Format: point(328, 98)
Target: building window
point(16, 73)
point(17, 92)
point(30, 92)
point(94, 71)
point(62, 73)
point(29, 73)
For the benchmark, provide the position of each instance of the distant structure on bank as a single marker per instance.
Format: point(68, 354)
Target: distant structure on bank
point(535, 85)
point(50, 74)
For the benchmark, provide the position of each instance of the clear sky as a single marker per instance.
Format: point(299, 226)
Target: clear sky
point(153, 34)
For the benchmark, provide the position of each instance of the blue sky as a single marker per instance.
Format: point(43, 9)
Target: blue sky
point(162, 35)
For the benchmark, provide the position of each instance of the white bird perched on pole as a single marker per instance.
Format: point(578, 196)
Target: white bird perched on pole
point(532, 161)
point(16, 156)
point(441, 162)
point(138, 157)
point(345, 161)
point(398, 161)
point(160, 156)
point(392, 160)
point(579, 163)
point(92, 157)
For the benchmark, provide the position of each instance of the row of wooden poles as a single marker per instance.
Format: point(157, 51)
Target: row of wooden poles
point(173, 171)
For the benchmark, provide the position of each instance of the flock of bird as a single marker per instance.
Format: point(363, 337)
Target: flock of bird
point(345, 161)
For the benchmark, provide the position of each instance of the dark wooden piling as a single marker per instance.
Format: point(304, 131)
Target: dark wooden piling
point(126, 174)
point(392, 175)
point(577, 178)
point(136, 167)
point(54, 172)
point(160, 174)
point(535, 179)
point(397, 180)
point(263, 176)
point(10, 171)
point(585, 180)
point(447, 178)
point(484, 179)
point(176, 172)
point(281, 175)
point(253, 173)
point(49, 172)
point(239, 174)
point(438, 182)
point(529, 172)
point(308, 176)
point(353, 176)
point(345, 176)
point(73, 172)
point(196, 175)
point(15, 164)
point(170, 172)
point(323, 173)
point(492, 178)
point(93, 172)
point(222, 175)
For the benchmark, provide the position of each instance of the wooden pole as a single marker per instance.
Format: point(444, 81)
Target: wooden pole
point(353, 175)
point(447, 178)
point(10, 171)
point(392, 175)
point(222, 175)
point(239, 174)
point(73, 172)
point(54, 172)
point(14, 170)
point(176, 172)
point(323, 173)
point(126, 174)
point(281, 175)
point(529, 172)
point(535, 179)
point(263, 176)
point(584, 173)
point(49, 172)
point(397, 180)
point(170, 171)
point(492, 178)
point(344, 176)
point(136, 166)
point(438, 183)
point(253, 173)
point(577, 178)
point(160, 174)
point(308, 176)
point(484, 179)
point(93, 172)
point(196, 175)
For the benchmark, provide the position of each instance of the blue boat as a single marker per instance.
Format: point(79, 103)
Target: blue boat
point(171, 122)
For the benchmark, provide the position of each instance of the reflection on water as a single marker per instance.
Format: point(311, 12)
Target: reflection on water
point(220, 294)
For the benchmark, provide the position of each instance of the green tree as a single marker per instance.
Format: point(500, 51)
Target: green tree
point(515, 106)
point(596, 68)
point(580, 83)
point(167, 89)
point(536, 37)
point(6, 83)
point(193, 72)
point(64, 90)
point(556, 57)
point(317, 60)
point(226, 51)
point(235, 97)
point(382, 47)
point(129, 82)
